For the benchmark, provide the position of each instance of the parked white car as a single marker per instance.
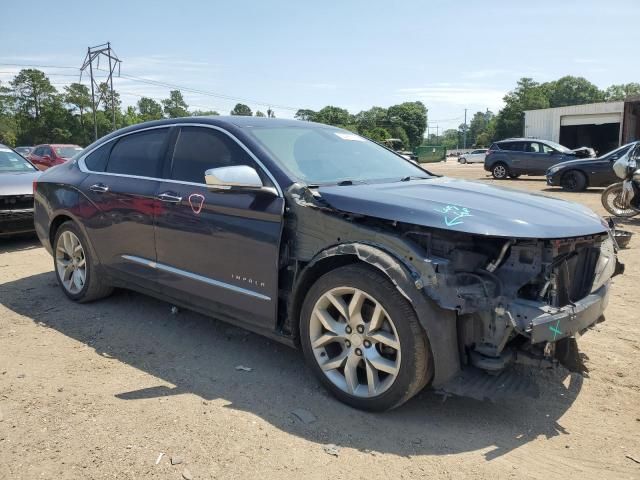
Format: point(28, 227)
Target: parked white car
point(476, 156)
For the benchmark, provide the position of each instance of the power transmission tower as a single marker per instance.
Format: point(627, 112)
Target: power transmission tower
point(94, 54)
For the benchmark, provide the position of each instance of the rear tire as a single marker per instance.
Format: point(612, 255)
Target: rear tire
point(500, 171)
point(75, 266)
point(374, 355)
point(573, 181)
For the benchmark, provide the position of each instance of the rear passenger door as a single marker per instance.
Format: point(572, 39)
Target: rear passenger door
point(218, 249)
point(124, 177)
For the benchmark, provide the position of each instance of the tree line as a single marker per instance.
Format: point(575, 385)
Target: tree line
point(33, 111)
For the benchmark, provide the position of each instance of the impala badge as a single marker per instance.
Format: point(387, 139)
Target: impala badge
point(196, 201)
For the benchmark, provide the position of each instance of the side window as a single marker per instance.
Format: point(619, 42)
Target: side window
point(47, 151)
point(96, 161)
point(139, 154)
point(512, 146)
point(199, 149)
point(547, 148)
point(532, 147)
point(37, 151)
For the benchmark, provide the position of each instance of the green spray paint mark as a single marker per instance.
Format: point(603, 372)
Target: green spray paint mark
point(556, 331)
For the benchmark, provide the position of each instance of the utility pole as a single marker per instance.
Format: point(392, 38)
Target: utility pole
point(464, 141)
point(93, 55)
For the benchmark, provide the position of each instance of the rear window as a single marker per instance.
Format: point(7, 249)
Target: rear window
point(67, 152)
point(139, 154)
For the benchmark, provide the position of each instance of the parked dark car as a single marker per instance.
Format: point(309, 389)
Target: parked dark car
point(50, 155)
point(24, 151)
point(16, 192)
point(388, 277)
point(578, 175)
point(525, 156)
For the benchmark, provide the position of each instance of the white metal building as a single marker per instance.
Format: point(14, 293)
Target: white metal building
point(603, 126)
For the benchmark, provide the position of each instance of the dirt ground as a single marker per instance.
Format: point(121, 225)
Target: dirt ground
point(102, 390)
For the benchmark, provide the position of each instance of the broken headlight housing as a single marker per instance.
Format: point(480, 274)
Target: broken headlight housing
point(606, 264)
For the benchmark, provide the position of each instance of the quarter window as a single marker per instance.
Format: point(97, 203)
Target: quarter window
point(139, 154)
point(199, 149)
point(97, 160)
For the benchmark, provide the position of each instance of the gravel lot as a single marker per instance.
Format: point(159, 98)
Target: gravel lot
point(102, 390)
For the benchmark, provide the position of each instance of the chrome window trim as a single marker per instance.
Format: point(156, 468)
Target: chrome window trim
point(195, 276)
point(83, 167)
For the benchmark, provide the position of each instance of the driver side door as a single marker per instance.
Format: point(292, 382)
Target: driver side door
point(218, 248)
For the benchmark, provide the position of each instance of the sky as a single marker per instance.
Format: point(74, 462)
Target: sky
point(291, 54)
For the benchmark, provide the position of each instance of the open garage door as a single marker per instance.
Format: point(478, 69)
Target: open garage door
point(599, 131)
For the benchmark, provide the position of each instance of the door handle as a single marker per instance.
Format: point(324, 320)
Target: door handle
point(99, 188)
point(169, 197)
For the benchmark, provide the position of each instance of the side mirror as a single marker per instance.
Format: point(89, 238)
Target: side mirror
point(237, 176)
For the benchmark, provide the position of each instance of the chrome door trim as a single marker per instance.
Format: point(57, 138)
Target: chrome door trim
point(83, 167)
point(195, 276)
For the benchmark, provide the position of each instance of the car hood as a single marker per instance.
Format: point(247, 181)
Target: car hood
point(17, 183)
point(466, 206)
point(581, 162)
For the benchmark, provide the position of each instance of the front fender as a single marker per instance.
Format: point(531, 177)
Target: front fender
point(439, 324)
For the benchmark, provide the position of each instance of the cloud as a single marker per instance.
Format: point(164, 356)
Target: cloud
point(456, 94)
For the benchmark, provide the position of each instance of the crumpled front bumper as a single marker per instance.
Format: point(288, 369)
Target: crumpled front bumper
point(542, 323)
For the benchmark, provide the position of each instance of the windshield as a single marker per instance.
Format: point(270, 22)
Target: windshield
point(11, 162)
point(320, 155)
point(67, 152)
point(618, 152)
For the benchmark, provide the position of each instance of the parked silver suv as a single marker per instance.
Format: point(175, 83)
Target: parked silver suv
point(513, 157)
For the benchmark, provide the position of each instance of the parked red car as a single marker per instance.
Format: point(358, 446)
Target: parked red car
point(49, 155)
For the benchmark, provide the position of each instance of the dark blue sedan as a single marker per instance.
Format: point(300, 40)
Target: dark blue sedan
point(388, 277)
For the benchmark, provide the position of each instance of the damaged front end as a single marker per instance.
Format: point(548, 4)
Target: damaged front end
point(529, 301)
point(487, 302)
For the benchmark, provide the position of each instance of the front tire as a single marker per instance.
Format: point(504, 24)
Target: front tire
point(363, 340)
point(611, 199)
point(75, 266)
point(463, 160)
point(500, 171)
point(573, 181)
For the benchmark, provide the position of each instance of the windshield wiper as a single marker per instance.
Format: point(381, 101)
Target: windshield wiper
point(413, 177)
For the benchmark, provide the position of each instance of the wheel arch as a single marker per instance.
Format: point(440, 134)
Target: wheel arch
point(439, 324)
point(58, 219)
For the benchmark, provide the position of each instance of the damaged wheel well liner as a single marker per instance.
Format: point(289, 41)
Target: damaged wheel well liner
point(438, 323)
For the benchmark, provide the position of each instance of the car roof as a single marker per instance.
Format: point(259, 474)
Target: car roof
point(521, 139)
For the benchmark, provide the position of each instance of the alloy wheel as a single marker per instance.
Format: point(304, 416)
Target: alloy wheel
point(499, 171)
point(71, 262)
point(355, 342)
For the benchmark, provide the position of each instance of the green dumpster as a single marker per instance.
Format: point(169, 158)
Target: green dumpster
point(431, 153)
